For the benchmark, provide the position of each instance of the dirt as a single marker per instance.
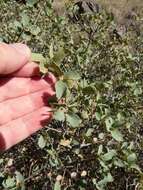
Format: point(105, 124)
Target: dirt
point(121, 9)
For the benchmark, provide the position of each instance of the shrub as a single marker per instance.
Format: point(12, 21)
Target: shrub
point(95, 140)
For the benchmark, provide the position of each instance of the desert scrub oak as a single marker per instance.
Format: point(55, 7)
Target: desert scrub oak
point(95, 140)
point(90, 100)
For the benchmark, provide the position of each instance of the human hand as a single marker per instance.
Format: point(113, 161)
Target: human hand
point(23, 95)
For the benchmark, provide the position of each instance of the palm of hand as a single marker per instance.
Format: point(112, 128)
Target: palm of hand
point(23, 103)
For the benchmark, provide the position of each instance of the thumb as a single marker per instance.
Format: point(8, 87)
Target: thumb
point(13, 57)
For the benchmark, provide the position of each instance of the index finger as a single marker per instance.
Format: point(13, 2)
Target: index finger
point(13, 57)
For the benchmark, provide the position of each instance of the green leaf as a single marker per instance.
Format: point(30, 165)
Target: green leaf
point(35, 30)
point(106, 180)
point(73, 119)
point(71, 75)
point(9, 182)
point(88, 90)
point(109, 123)
point(43, 68)
point(109, 178)
point(132, 158)
point(51, 51)
point(26, 37)
point(20, 180)
point(84, 114)
point(109, 155)
point(119, 163)
point(101, 136)
point(137, 91)
point(31, 2)
point(61, 89)
point(41, 142)
point(98, 116)
point(57, 186)
point(120, 118)
point(1, 40)
point(89, 132)
point(54, 68)
point(116, 134)
point(37, 57)
point(19, 177)
point(94, 181)
point(17, 24)
point(25, 19)
point(136, 167)
point(100, 185)
point(59, 55)
point(59, 115)
point(103, 164)
point(100, 150)
point(1, 161)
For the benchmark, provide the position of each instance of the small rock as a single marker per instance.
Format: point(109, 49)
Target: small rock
point(59, 178)
point(95, 140)
point(73, 175)
point(83, 173)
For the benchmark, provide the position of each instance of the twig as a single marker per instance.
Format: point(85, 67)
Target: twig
point(52, 129)
point(63, 177)
point(137, 186)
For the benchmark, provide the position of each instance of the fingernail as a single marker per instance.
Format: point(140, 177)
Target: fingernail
point(22, 48)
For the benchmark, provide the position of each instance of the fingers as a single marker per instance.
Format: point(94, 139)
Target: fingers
point(23, 105)
point(16, 87)
point(28, 70)
point(13, 57)
point(51, 79)
point(19, 129)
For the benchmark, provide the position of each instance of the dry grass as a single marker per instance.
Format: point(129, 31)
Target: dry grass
point(120, 9)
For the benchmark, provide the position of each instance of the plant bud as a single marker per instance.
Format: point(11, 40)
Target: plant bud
point(83, 173)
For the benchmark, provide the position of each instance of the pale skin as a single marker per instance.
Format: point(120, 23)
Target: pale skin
point(23, 95)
